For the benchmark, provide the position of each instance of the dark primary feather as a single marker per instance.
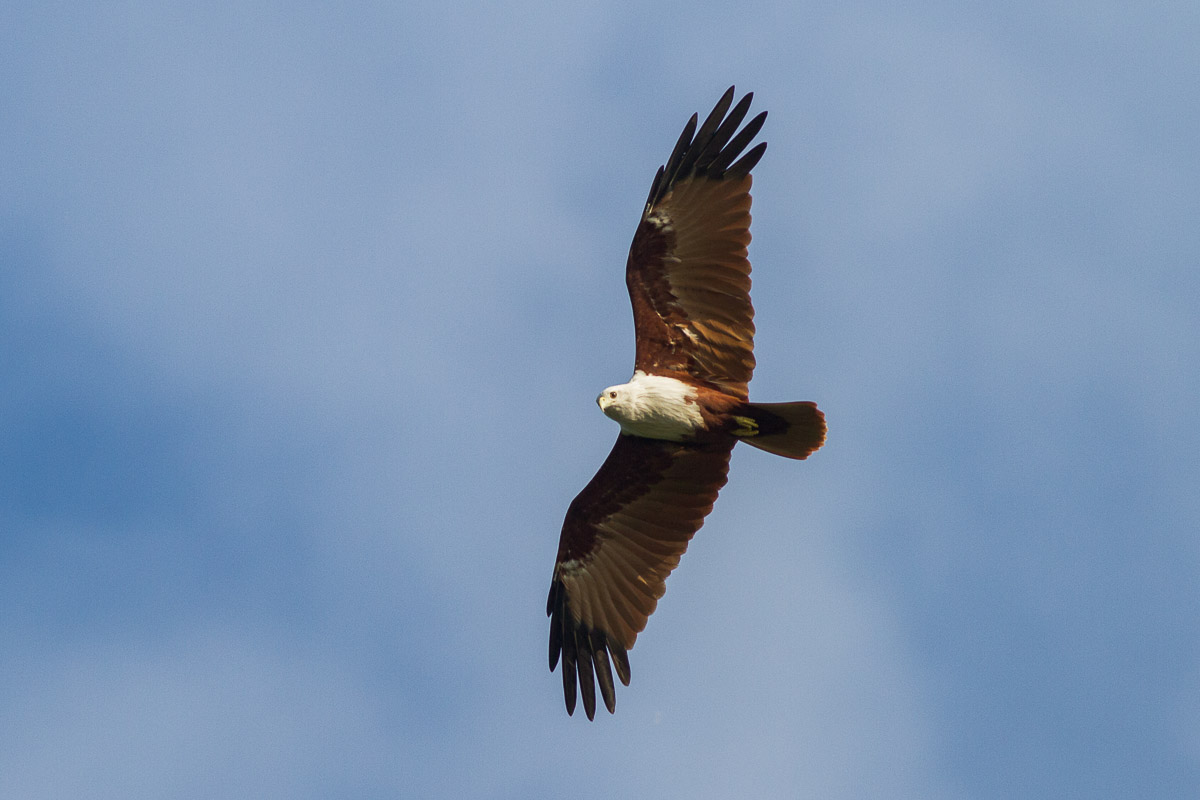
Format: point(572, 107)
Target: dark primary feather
point(709, 151)
point(711, 129)
point(585, 653)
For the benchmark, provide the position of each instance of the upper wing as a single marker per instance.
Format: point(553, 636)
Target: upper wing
point(688, 274)
point(623, 535)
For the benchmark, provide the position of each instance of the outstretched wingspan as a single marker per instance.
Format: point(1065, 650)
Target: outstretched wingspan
point(688, 273)
point(689, 282)
point(623, 535)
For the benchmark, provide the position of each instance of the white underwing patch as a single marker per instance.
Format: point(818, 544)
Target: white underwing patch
point(659, 220)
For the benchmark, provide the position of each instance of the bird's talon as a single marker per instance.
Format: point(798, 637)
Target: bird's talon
point(745, 426)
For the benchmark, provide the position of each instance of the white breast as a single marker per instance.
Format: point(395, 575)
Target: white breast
point(656, 407)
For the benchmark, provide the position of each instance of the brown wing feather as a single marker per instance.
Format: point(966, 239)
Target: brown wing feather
point(623, 535)
point(688, 273)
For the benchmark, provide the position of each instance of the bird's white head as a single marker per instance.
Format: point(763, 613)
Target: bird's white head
point(612, 400)
point(653, 406)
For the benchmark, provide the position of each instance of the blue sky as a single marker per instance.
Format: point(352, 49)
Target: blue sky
point(302, 315)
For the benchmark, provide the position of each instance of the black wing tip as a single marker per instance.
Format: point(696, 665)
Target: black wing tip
point(711, 150)
point(585, 657)
point(748, 161)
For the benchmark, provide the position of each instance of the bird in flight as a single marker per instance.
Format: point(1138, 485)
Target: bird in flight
point(681, 413)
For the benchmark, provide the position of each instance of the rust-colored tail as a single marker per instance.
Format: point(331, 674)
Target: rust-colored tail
point(791, 430)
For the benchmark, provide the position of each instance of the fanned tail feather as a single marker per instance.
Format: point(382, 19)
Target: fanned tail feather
point(791, 430)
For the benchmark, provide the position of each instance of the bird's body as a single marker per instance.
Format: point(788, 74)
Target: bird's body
point(681, 413)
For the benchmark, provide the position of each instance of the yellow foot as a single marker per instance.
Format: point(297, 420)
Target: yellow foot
point(745, 426)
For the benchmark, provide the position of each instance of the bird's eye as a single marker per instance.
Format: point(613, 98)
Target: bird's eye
point(613, 395)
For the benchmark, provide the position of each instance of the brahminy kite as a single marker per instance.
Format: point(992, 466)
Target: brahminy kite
point(681, 413)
